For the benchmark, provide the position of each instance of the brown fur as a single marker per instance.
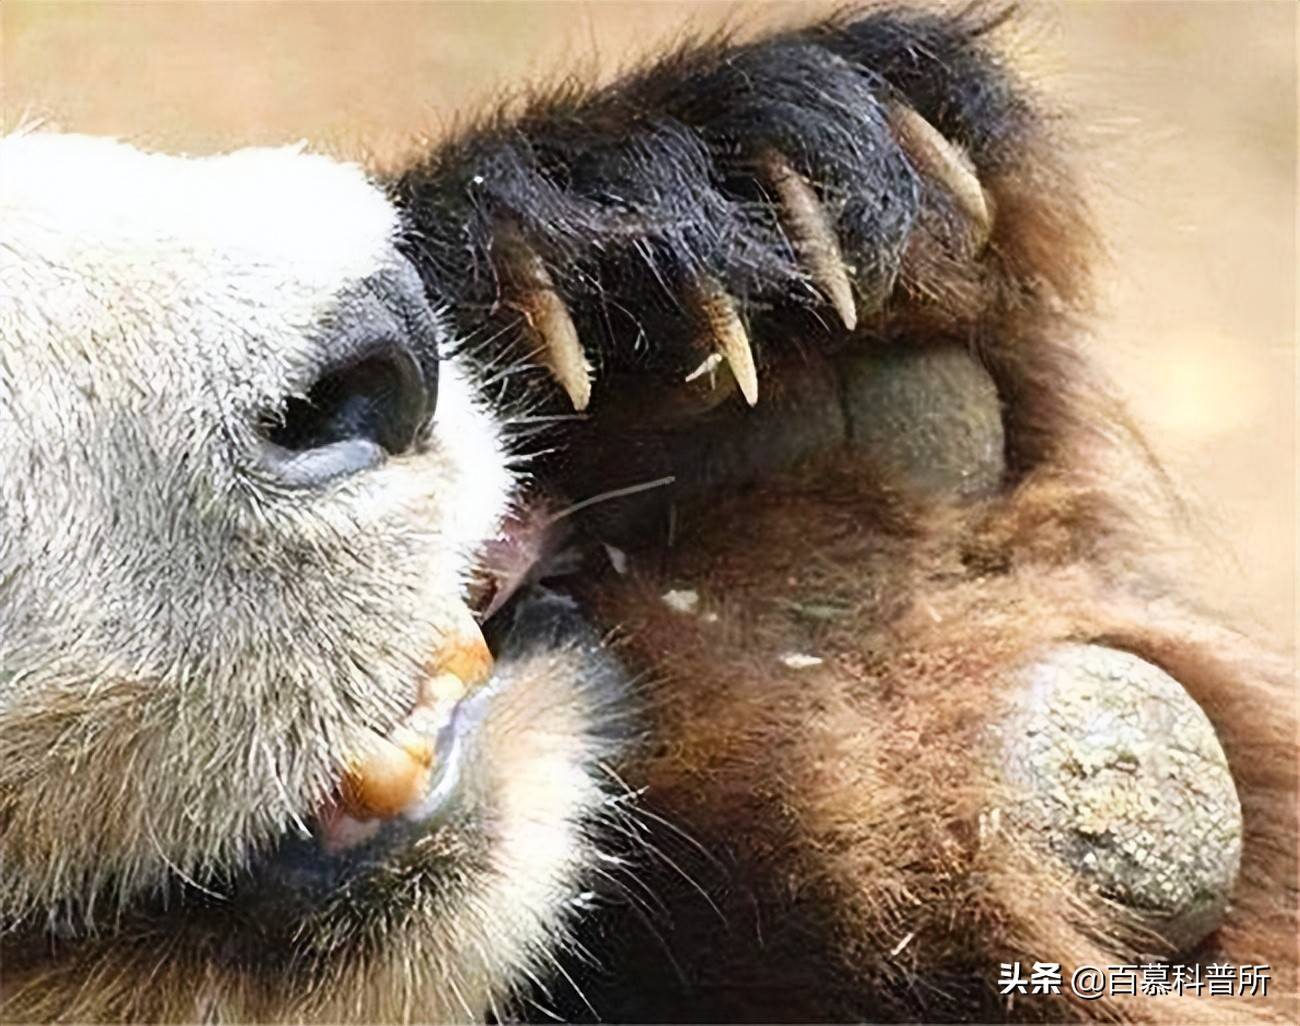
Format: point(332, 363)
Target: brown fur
point(847, 807)
point(852, 795)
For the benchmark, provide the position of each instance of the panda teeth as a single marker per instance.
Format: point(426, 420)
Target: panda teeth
point(546, 317)
point(934, 156)
point(396, 773)
point(716, 313)
point(391, 773)
point(806, 224)
point(465, 657)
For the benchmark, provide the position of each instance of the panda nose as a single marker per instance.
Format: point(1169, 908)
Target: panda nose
point(370, 402)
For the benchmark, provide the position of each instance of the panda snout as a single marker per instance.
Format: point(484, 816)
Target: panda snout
point(369, 396)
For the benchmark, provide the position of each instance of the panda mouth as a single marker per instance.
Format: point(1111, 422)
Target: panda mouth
point(409, 774)
point(395, 788)
point(416, 783)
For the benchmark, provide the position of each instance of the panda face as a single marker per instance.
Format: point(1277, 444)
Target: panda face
point(242, 497)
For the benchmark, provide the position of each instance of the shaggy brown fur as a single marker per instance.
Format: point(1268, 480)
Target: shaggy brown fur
point(851, 872)
point(849, 800)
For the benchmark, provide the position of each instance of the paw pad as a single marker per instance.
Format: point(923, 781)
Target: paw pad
point(1122, 777)
point(927, 420)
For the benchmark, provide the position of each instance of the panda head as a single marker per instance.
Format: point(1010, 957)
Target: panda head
point(244, 483)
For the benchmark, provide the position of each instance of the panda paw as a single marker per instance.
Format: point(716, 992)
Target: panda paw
point(675, 238)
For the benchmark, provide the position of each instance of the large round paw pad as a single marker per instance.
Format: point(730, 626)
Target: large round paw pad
point(1119, 774)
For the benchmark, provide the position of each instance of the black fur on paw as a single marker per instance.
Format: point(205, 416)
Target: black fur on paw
point(686, 239)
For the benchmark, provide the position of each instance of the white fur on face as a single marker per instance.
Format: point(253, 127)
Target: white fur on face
point(187, 654)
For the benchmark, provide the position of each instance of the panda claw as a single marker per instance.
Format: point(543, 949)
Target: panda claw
point(717, 315)
point(937, 158)
point(805, 222)
point(562, 352)
point(546, 316)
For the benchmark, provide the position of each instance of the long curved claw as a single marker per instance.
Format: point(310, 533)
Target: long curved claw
point(810, 231)
point(717, 315)
point(546, 317)
point(936, 157)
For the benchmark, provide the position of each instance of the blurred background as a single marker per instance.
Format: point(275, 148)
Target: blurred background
point(1189, 111)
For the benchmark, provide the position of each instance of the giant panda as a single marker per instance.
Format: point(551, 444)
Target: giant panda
point(666, 554)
